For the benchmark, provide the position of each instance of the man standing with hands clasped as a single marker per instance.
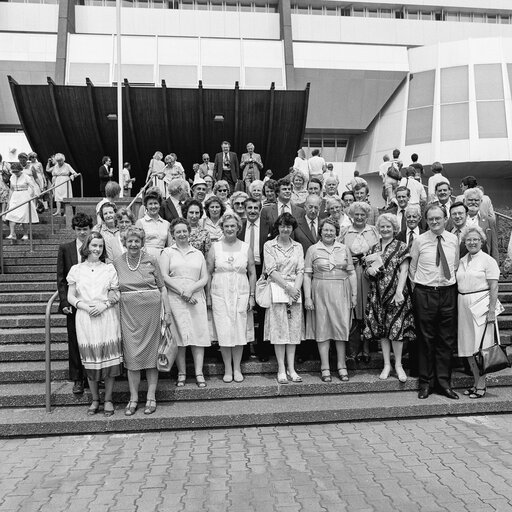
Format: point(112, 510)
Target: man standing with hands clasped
point(434, 260)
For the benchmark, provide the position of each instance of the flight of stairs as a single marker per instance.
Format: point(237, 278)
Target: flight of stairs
point(28, 283)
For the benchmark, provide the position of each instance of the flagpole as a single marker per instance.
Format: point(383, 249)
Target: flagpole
point(119, 98)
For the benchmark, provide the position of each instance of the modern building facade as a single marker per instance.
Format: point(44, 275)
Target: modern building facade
point(427, 77)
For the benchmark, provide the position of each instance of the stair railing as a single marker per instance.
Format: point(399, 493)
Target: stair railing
point(35, 198)
point(48, 351)
point(502, 242)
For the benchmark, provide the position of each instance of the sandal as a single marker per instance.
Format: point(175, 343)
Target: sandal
point(282, 378)
point(130, 408)
point(479, 393)
point(150, 406)
point(227, 378)
point(201, 383)
point(343, 374)
point(182, 378)
point(470, 391)
point(110, 411)
point(326, 375)
point(93, 409)
point(294, 377)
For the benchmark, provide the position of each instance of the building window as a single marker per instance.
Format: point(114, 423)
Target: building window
point(454, 103)
point(490, 103)
point(420, 108)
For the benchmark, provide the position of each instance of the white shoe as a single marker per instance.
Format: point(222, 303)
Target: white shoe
point(402, 377)
point(385, 373)
point(24, 237)
point(10, 237)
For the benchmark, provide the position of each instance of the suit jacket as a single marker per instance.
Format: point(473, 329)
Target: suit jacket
point(303, 234)
point(168, 210)
point(256, 167)
point(488, 226)
point(402, 236)
point(235, 166)
point(66, 258)
point(268, 217)
point(241, 236)
point(394, 210)
point(104, 178)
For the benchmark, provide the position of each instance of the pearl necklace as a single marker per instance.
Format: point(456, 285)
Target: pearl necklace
point(133, 269)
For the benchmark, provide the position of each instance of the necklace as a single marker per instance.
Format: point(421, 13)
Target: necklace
point(92, 264)
point(133, 269)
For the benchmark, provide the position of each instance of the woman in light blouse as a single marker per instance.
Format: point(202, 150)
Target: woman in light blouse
point(334, 207)
point(199, 237)
point(330, 293)
point(214, 209)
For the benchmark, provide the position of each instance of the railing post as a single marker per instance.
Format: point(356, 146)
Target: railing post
point(30, 226)
point(2, 246)
point(81, 185)
point(47, 350)
point(51, 213)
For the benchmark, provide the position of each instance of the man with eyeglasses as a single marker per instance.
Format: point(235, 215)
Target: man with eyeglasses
point(459, 215)
point(434, 260)
point(251, 165)
point(206, 168)
point(486, 207)
point(226, 166)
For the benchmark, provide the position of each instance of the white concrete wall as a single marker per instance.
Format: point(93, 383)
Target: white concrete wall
point(28, 47)
point(30, 17)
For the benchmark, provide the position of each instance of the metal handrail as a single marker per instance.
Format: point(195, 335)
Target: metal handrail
point(35, 198)
point(139, 195)
point(48, 350)
point(498, 214)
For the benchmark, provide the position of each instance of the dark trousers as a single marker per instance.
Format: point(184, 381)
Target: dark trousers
point(436, 330)
point(76, 369)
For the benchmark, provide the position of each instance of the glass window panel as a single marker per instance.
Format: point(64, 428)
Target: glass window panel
point(358, 12)
point(215, 6)
point(316, 10)
point(491, 119)
point(488, 82)
point(426, 15)
point(179, 75)
point(221, 75)
point(331, 11)
point(385, 13)
point(187, 5)
point(136, 73)
point(491, 18)
point(98, 73)
point(246, 8)
point(455, 121)
point(263, 77)
point(465, 16)
point(454, 84)
point(412, 15)
point(452, 16)
point(504, 19)
point(421, 89)
point(372, 13)
point(231, 6)
point(509, 70)
point(478, 17)
point(202, 5)
point(419, 126)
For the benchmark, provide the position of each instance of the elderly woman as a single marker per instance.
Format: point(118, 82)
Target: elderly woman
point(199, 236)
point(109, 230)
point(209, 186)
point(360, 238)
point(156, 172)
point(330, 293)
point(124, 219)
point(347, 198)
point(94, 291)
point(300, 163)
point(112, 193)
point(214, 209)
point(22, 189)
point(389, 313)
point(221, 190)
point(284, 322)
point(256, 190)
point(331, 184)
point(155, 228)
point(230, 293)
point(477, 279)
point(62, 173)
point(334, 207)
point(269, 192)
point(299, 190)
point(142, 291)
point(237, 202)
point(184, 271)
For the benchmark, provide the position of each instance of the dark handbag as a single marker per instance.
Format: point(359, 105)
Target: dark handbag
point(354, 337)
point(491, 359)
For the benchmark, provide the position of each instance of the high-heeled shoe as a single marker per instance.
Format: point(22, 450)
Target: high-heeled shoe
point(201, 383)
point(385, 372)
point(93, 409)
point(402, 377)
point(130, 408)
point(343, 374)
point(479, 393)
point(294, 377)
point(326, 375)
point(182, 378)
point(110, 410)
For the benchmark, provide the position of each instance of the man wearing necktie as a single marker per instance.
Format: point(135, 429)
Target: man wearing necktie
point(434, 260)
point(443, 199)
point(226, 166)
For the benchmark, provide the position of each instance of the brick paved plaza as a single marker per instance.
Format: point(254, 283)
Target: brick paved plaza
point(454, 463)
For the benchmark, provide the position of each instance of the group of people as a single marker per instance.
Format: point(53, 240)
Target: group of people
point(197, 257)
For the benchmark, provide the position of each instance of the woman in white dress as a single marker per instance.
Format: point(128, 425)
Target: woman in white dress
point(156, 172)
point(184, 271)
point(61, 173)
point(477, 276)
point(22, 189)
point(230, 293)
point(94, 292)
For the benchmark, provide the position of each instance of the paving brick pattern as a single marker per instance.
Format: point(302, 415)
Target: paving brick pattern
point(453, 464)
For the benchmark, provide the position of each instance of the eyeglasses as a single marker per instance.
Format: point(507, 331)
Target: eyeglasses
point(238, 204)
point(222, 190)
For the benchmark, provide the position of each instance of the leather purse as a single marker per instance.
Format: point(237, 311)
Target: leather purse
point(491, 359)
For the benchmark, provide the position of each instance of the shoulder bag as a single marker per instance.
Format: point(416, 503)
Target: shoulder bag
point(491, 359)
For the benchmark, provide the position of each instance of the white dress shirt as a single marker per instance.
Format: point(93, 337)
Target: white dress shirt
point(247, 238)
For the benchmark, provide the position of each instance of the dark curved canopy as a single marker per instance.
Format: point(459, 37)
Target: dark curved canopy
point(74, 120)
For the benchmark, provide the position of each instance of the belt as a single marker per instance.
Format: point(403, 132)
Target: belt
point(470, 293)
point(434, 288)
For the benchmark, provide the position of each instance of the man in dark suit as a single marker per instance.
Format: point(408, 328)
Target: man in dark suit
point(251, 233)
point(105, 174)
point(307, 229)
point(270, 213)
point(171, 207)
point(226, 166)
point(67, 257)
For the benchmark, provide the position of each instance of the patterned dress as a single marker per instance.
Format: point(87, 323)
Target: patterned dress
point(200, 240)
point(284, 323)
point(140, 306)
point(99, 337)
point(383, 319)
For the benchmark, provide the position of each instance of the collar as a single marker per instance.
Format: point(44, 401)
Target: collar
point(256, 223)
point(189, 250)
point(280, 204)
point(147, 218)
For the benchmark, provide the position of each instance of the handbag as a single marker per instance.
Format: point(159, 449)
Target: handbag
point(491, 359)
point(263, 293)
point(167, 351)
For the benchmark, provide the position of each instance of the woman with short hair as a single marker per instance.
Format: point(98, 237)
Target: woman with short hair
point(221, 190)
point(109, 231)
point(143, 292)
point(256, 190)
point(214, 209)
point(199, 236)
point(299, 190)
point(334, 207)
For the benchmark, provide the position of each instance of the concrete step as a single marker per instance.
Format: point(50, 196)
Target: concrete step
point(39, 249)
point(47, 258)
point(32, 371)
point(31, 335)
point(32, 394)
point(26, 270)
point(35, 308)
point(12, 321)
point(19, 297)
point(12, 281)
point(505, 322)
point(281, 410)
point(32, 352)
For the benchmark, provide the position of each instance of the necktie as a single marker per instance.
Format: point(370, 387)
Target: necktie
point(283, 209)
point(313, 230)
point(403, 225)
point(251, 236)
point(441, 258)
point(411, 240)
